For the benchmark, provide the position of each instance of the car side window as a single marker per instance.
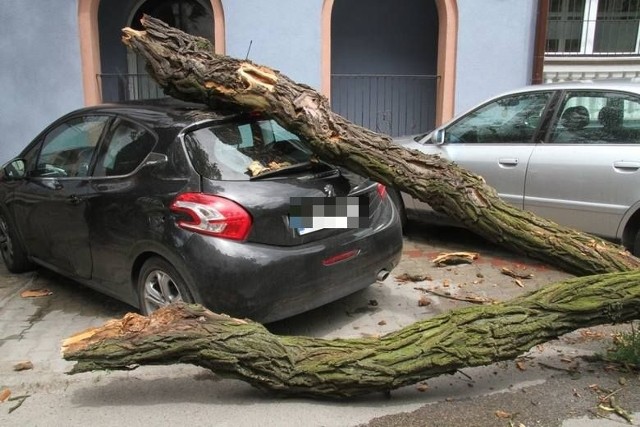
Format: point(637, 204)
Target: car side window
point(593, 117)
point(127, 145)
point(512, 119)
point(67, 150)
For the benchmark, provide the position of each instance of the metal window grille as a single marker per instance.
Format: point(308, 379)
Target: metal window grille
point(593, 27)
point(391, 104)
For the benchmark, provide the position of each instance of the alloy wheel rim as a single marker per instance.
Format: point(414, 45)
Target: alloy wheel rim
point(160, 290)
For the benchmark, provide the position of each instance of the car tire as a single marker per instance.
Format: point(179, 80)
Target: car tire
point(636, 245)
point(160, 284)
point(14, 254)
point(396, 198)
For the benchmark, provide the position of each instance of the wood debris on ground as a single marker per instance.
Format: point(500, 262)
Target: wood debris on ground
point(511, 273)
point(406, 277)
point(452, 258)
point(474, 299)
point(424, 301)
point(36, 293)
point(502, 414)
point(610, 405)
point(23, 366)
point(19, 401)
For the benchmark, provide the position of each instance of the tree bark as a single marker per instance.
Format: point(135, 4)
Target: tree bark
point(186, 67)
point(337, 368)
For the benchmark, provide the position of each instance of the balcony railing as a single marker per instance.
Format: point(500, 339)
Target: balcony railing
point(391, 104)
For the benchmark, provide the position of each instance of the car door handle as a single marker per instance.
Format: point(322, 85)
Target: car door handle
point(508, 161)
point(627, 166)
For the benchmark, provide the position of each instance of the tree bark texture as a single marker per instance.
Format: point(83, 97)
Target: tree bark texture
point(337, 368)
point(186, 67)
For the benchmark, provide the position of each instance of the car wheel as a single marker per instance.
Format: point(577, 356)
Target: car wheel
point(13, 253)
point(636, 245)
point(396, 198)
point(160, 284)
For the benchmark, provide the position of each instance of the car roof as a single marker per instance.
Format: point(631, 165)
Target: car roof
point(161, 113)
point(629, 85)
point(624, 85)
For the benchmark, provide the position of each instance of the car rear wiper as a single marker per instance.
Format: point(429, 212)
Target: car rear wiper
point(283, 170)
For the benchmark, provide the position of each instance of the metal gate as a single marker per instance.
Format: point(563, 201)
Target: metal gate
point(391, 104)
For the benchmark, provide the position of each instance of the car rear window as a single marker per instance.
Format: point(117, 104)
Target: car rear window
point(242, 150)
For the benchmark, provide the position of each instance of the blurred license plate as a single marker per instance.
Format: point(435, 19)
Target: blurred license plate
point(309, 214)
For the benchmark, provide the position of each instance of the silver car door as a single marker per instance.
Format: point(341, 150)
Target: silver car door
point(588, 174)
point(495, 141)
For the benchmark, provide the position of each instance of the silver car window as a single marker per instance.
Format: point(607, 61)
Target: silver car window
point(594, 117)
point(512, 119)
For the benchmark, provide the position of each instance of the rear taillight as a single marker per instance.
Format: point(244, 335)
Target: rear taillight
point(382, 191)
point(212, 215)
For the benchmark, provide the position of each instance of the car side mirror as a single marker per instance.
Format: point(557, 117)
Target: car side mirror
point(154, 159)
point(15, 169)
point(437, 137)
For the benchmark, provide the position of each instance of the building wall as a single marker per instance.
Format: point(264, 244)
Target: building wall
point(495, 48)
point(283, 34)
point(41, 71)
point(41, 79)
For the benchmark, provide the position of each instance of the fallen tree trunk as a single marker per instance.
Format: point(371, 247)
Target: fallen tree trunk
point(472, 336)
point(303, 366)
point(186, 67)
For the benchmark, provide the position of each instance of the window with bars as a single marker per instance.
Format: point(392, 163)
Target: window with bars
point(593, 27)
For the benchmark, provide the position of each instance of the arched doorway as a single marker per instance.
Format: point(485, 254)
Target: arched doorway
point(384, 64)
point(123, 74)
point(390, 66)
point(102, 53)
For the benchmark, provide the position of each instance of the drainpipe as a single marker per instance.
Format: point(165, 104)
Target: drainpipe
point(540, 41)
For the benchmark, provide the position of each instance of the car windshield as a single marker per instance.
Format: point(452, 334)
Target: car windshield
point(242, 150)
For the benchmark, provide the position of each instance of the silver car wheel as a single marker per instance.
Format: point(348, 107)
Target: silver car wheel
point(160, 290)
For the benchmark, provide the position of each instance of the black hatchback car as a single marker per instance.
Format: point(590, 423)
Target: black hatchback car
point(161, 201)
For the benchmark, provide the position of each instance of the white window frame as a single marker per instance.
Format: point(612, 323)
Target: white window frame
point(587, 41)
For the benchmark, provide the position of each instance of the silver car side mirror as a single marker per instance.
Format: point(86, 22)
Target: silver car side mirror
point(437, 137)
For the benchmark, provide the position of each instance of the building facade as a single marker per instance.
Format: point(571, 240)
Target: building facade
point(397, 67)
point(591, 39)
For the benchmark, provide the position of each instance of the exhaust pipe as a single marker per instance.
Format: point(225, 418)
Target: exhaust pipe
point(382, 274)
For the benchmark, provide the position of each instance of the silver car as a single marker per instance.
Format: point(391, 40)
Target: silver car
point(568, 152)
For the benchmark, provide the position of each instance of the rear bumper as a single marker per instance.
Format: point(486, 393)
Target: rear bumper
point(268, 283)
